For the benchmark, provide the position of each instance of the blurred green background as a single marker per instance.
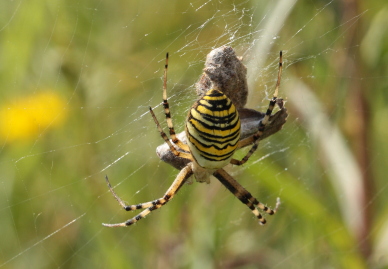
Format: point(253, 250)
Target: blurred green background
point(77, 78)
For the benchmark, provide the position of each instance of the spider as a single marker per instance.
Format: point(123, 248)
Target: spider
point(213, 135)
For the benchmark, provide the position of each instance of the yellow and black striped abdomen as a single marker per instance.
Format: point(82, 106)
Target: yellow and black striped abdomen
point(213, 130)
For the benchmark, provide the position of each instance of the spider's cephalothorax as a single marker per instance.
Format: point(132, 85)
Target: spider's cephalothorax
point(213, 135)
point(213, 131)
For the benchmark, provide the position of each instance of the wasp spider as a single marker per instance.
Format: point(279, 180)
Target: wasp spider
point(213, 135)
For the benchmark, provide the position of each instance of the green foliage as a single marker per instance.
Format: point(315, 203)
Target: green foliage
point(103, 62)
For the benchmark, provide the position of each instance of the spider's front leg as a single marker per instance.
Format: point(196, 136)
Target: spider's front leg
point(244, 196)
point(130, 207)
point(183, 175)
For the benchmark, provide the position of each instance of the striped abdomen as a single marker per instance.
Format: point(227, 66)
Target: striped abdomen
point(213, 130)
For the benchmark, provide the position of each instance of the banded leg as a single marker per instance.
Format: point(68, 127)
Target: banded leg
point(167, 111)
point(165, 138)
point(256, 137)
point(244, 196)
point(183, 175)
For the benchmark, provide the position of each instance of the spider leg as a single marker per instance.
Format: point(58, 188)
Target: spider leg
point(244, 196)
point(181, 178)
point(256, 137)
point(165, 138)
point(129, 207)
point(167, 112)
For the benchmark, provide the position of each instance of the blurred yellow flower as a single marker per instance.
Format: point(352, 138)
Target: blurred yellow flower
point(27, 117)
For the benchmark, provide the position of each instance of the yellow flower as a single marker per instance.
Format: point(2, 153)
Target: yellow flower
point(27, 117)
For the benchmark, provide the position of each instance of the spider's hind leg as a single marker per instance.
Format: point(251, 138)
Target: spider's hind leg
point(256, 137)
point(167, 111)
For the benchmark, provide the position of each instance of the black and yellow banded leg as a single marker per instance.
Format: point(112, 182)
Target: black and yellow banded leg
point(130, 207)
point(167, 112)
point(243, 195)
point(183, 175)
point(256, 137)
point(165, 138)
